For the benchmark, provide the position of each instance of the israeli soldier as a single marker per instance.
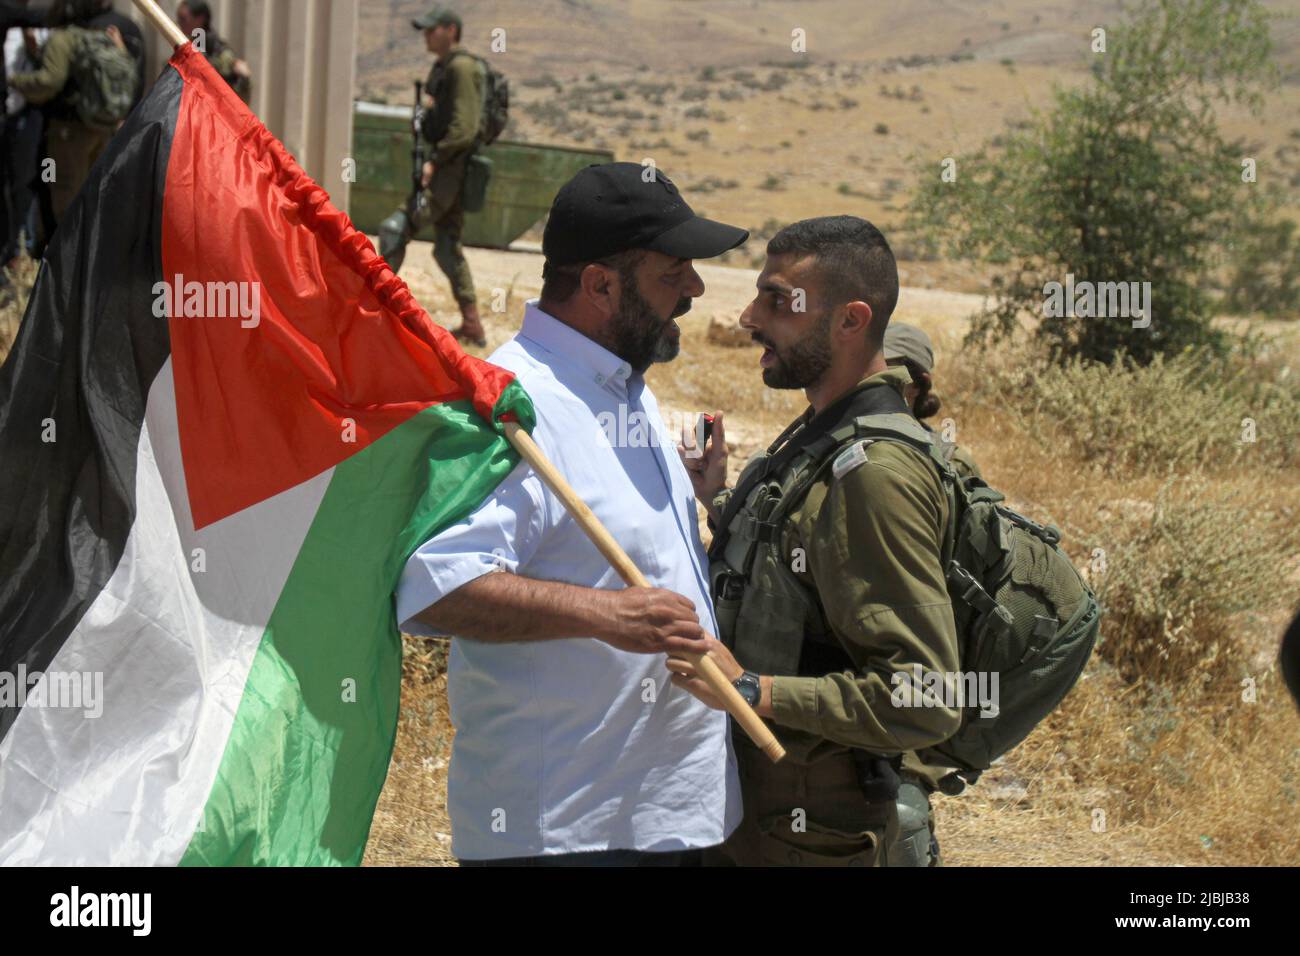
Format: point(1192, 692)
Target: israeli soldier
point(822, 600)
point(908, 346)
point(73, 146)
point(453, 128)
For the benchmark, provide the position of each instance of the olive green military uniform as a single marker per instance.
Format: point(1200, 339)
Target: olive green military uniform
point(870, 601)
point(72, 145)
point(457, 86)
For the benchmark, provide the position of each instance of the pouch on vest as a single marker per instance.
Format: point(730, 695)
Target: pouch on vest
point(761, 607)
point(473, 190)
point(780, 844)
point(764, 611)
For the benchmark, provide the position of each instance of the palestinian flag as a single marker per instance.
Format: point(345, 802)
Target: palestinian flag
point(224, 427)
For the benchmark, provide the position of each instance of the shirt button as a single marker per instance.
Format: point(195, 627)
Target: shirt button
point(600, 380)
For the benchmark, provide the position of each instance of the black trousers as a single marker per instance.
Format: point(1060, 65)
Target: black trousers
point(19, 168)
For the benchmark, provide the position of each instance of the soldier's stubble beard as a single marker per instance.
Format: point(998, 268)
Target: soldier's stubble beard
point(636, 332)
point(802, 364)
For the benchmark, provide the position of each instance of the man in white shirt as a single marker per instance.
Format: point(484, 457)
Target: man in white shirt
point(572, 745)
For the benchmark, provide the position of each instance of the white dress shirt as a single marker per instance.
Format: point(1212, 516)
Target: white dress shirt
point(571, 745)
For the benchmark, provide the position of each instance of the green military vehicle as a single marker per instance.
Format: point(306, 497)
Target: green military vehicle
point(525, 177)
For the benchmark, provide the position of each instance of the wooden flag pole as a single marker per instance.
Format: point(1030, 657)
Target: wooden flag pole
point(632, 576)
point(597, 532)
point(164, 24)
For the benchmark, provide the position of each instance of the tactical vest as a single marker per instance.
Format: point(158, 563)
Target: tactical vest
point(437, 120)
point(770, 619)
point(1020, 608)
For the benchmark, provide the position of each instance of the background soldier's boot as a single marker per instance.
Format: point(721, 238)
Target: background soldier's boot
point(471, 328)
point(394, 234)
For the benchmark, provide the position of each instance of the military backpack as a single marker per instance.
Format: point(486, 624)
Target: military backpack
point(105, 78)
point(496, 103)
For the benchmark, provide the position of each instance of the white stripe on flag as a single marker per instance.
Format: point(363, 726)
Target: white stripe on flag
point(174, 647)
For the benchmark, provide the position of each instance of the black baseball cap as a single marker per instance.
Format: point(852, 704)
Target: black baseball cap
point(612, 207)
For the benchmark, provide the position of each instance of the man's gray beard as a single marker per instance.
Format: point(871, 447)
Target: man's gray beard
point(805, 362)
point(638, 336)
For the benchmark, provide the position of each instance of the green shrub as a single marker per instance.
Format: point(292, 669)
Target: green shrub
point(1176, 574)
point(1126, 178)
point(1192, 411)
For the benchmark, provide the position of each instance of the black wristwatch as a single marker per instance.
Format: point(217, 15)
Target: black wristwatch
point(750, 689)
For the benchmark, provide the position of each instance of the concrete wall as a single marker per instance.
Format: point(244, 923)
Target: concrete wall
point(303, 57)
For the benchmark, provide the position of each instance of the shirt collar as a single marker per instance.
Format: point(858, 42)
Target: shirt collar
point(586, 356)
point(895, 375)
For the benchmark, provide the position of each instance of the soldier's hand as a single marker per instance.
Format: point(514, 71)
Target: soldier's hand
point(707, 471)
point(426, 175)
point(653, 621)
point(115, 35)
point(687, 677)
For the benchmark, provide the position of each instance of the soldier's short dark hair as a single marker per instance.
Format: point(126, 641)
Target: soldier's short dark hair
point(854, 263)
point(200, 10)
point(560, 282)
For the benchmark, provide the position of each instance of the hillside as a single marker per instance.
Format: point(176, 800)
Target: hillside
point(759, 135)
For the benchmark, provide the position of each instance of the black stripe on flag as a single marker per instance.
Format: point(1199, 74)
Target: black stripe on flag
point(87, 352)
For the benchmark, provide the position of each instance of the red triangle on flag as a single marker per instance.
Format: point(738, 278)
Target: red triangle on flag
point(306, 347)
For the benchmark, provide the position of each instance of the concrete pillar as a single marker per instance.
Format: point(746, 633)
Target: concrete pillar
point(303, 57)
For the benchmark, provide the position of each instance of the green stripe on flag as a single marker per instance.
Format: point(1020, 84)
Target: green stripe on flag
point(309, 749)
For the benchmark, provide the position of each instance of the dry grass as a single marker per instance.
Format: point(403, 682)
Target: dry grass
point(13, 301)
point(1180, 414)
point(1200, 579)
point(411, 825)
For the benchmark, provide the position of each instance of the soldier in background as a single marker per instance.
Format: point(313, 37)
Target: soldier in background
point(20, 146)
point(71, 144)
point(195, 15)
point(908, 346)
point(453, 128)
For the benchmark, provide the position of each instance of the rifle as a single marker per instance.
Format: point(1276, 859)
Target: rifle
point(415, 202)
point(396, 231)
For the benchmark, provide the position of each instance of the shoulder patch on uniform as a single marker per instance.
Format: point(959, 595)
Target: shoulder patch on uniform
point(850, 458)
